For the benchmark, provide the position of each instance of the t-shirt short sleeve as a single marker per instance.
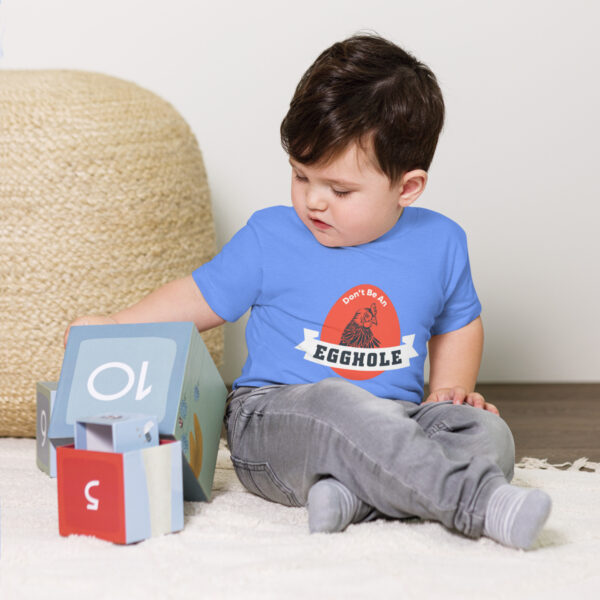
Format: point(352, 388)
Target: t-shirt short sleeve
point(231, 281)
point(461, 304)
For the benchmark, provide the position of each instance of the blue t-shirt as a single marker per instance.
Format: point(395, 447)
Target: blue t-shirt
point(364, 313)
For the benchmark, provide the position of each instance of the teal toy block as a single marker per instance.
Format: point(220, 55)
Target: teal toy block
point(122, 497)
point(46, 448)
point(116, 433)
point(160, 369)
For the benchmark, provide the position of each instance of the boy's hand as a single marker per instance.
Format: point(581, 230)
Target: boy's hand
point(458, 395)
point(89, 320)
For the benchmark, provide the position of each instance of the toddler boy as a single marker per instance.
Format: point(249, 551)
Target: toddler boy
point(349, 288)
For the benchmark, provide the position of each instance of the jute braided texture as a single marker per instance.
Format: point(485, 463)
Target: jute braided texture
point(103, 197)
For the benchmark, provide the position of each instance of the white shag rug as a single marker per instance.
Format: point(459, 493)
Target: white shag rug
point(240, 546)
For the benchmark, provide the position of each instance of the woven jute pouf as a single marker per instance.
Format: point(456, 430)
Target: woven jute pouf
point(103, 197)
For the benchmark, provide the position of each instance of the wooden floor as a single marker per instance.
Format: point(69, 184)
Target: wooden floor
point(560, 422)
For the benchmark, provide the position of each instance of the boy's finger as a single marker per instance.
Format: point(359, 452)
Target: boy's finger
point(492, 408)
point(437, 397)
point(458, 395)
point(476, 400)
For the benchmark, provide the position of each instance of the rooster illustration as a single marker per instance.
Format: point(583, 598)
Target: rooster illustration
point(358, 333)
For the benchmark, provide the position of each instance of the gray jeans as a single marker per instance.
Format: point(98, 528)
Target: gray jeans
point(434, 461)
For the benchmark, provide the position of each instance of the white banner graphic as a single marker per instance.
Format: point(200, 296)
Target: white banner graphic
point(357, 359)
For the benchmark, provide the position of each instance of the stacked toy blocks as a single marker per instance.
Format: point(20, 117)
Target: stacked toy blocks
point(161, 369)
point(118, 482)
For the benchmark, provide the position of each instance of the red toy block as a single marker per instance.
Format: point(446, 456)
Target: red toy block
point(120, 497)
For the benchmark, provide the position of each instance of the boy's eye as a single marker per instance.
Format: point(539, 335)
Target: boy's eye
point(340, 193)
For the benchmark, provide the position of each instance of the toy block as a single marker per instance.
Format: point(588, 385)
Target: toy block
point(121, 497)
point(46, 448)
point(116, 433)
point(161, 369)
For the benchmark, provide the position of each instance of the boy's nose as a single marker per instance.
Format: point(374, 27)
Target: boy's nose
point(315, 200)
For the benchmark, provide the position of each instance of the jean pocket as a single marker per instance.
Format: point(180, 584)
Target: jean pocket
point(260, 479)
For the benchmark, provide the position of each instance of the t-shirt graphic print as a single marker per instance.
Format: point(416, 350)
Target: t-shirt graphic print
point(360, 338)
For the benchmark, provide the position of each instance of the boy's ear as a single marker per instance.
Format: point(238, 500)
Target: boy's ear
point(411, 186)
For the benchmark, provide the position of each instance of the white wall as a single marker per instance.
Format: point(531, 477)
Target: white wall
point(515, 164)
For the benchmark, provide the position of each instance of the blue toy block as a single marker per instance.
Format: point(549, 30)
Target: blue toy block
point(116, 433)
point(122, 497)
point(46, 448)
point(160, 369)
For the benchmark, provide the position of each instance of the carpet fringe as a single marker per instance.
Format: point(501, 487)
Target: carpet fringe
point(528, 462)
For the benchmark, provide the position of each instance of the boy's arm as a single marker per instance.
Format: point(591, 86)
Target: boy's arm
point(178, 300)
point(454, 359)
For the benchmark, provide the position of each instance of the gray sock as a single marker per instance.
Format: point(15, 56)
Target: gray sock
point(332, 507)
point(514, 515)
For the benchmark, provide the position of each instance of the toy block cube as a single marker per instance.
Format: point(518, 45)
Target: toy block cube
point(161, 369)
point(46, 448)
point(116, 433)
point(122, 497)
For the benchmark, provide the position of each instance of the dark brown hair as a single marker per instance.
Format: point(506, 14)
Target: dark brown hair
point(366, 89)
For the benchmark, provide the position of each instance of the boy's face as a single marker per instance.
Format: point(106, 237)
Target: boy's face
point(347, 202)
